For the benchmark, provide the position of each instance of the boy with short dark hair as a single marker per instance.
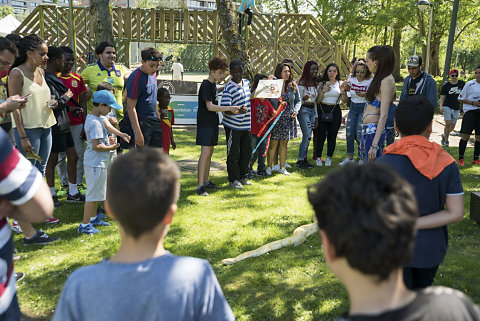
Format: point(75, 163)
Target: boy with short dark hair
point(97, 159)
point(171, 287)
point(438, 188)
point(366, 217)
point(142, 114)
point(237, 127)
point(207, 121)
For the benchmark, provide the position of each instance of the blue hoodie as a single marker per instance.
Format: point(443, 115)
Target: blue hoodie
point(427, 87)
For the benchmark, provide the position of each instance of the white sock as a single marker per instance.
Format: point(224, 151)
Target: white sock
point(93, 218)
point(72, 189)
point(52, 191)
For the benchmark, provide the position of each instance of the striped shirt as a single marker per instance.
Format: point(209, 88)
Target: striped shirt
point(19, 181)
point(237, 95)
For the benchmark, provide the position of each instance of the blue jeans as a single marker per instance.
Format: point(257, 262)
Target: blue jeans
point(41, 140)
point(258, 153)
point(354, 127)
point(368, 134)
point(306, 119)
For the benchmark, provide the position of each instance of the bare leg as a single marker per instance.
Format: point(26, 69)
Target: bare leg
point(72, 165)
point(271, 152)
point(50, 169)
point(204, 161)
point(27, 228)
point(89, 211)
point(282, 152)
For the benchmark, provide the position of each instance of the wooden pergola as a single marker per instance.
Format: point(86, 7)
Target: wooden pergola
point(270, 38)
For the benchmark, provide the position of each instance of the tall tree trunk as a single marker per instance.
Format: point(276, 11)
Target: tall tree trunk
point(397, 38)
point(234, 43)
point(434, 57)
point(102, 17)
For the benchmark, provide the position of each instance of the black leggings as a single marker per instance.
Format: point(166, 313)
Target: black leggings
point(328, 131)
point(248, 12)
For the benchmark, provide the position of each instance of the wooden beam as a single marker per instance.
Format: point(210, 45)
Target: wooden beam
point(153, 24)
point(128, 24)
point(195, 27)
point(172, 26)
point(120, 23)
point(42, 24)
point(306, 41)
point(139, 14)
point(186, 24)
point(162, 26)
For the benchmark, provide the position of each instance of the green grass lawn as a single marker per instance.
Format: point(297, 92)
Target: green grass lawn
point(289, 284)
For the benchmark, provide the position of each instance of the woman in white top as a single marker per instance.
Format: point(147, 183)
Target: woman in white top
point(330, 92)
point(358, 84)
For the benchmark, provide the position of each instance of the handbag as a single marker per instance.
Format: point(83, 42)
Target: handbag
point(328, 117)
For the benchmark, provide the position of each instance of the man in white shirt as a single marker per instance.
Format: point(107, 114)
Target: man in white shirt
point(470, 97)
point(177, 70)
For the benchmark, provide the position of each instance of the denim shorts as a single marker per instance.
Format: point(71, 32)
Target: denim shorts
point(450, 114)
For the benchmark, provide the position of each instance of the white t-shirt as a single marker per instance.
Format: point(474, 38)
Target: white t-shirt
point(471, 91)
point(359, 86)
point(331, 96)
point(177, 69)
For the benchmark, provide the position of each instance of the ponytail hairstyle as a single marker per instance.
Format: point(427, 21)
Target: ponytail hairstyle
point(385, 58)
point(28, 43)
point(306, 72)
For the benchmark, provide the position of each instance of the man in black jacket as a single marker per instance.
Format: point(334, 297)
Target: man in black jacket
point(62, 140)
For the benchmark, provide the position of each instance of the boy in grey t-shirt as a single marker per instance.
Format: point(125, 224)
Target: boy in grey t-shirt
point(97, 159)
point(143, 281)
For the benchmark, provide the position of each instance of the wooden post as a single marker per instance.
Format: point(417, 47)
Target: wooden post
point(338, 54)
point(120, 20)
point(42, 22)
point(205, 27)
point(153, 24)
point(186, 32)
point(72, 33)
point(195, 27)
point(162, 26)
point(138, 15)
point(275, 43)
point(306, 40)
point(172, 26)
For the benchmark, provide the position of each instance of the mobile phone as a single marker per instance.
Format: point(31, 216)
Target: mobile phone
point(26, 96)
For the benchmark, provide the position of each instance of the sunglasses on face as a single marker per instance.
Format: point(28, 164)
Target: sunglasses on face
point(152, 58)
point(359, 71)
point(453, 75)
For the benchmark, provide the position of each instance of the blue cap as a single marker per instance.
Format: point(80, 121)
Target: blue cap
point(107, 98)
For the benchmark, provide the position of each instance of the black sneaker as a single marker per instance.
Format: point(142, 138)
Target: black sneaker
point(19, 276)
point(201, 191)
point(210, 185)
point(76, 198)
point(40, 238)
point(56, 202)
point(262, 173)
point(303, 164)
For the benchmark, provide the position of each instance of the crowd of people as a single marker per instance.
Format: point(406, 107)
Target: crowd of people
point(380, 236)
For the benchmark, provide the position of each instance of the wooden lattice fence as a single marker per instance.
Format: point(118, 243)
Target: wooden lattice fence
point(269, 39)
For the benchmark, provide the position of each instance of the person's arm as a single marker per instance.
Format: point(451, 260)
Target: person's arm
point(213, 107)
point(12, 103)
point(172, 141)
point(463, 98)
point(297, 103)
point(115, 131)
point(15, 84)
point(182, 74)
point(385, 97)
point(132, 115)
point(442, 100)
point(343, 93)
point(99, 147)
point(452, 213)
point(172, 72)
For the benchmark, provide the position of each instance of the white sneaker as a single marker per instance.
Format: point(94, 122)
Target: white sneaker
point(328, 162)
point(287, 165)
point(276, 168)
point(360, 162)
point(284, 171)
point(245, 181)
point(236, 184)
point(268, 171)
point(346, 161)
point(319, 162)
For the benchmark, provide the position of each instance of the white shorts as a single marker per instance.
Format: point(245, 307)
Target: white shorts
point(96, 180)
